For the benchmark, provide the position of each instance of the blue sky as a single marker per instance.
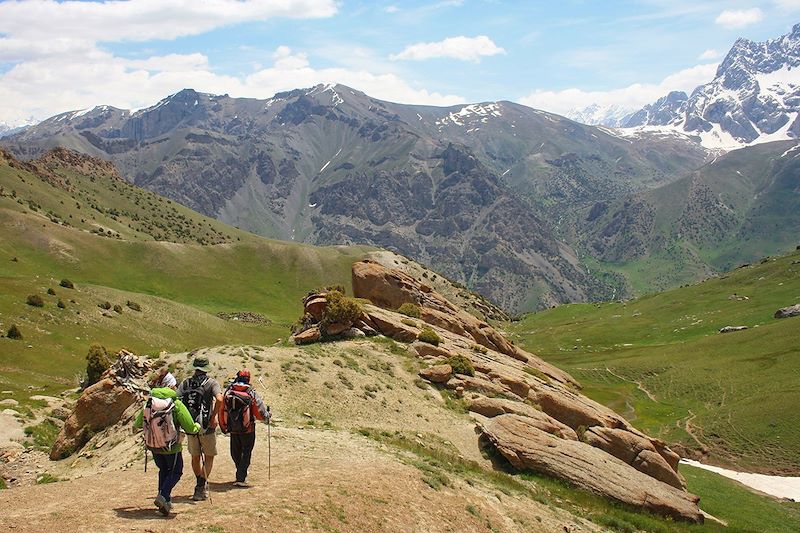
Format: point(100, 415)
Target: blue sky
point(58, 56)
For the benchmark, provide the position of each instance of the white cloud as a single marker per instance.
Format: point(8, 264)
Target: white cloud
point(46, 86)
point(462, 48)
point(734, 19)
point(631, 97)
point(143, 20)
point(708, 54)
point(787, 5)
point(392, 9)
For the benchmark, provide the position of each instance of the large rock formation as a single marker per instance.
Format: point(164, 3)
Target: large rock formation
point(102, 404)
point(529, 410)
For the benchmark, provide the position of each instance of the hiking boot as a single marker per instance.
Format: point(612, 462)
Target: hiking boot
point(166, 509)
point(161, 503)
point(200, 493)
point(242, 484)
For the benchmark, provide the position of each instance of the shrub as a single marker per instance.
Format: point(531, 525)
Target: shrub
point(104, 305)
point(97, 362)
point(35, 300)
point(61, 304)
point(118, 309)
point(339, 309)
point(51, 292)
point(461, 365)
point(409, 322)
point(479, 348)
point(14, 332)
point(134, 306)
point(429, 336)
point(410, 309)
point(67, 284)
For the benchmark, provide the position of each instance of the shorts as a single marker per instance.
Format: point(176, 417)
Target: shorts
point(208, 442)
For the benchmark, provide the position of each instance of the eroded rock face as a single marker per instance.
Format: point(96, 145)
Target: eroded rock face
point(527, 447)
point(102, 404)
point(437, 373)
point(491, 407)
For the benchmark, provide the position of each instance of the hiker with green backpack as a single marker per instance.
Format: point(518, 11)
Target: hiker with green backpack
point(160, 419)
point(202, 396)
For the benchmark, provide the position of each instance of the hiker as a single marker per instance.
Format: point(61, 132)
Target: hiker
point(241, 407)
point(162, 415)
point(202, 396)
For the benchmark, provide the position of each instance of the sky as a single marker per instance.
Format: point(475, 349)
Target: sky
point(58, 56)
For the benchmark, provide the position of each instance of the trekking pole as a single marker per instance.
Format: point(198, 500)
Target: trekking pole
point(269, 432)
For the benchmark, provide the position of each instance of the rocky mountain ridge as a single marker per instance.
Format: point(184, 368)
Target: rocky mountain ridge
point(753, 98)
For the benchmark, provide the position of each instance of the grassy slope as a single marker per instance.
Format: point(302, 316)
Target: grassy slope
point(735, 390)
point(179, 285)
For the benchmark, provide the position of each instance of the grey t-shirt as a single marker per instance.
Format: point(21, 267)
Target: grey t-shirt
point(208, 387)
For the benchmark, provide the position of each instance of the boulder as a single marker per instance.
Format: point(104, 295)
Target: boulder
point(424, 349)
point(527, 447)
point(491, 407)
point(730, 329)
point(368, 330)
point(574, 410)
point(638, 451)
point(337, 328)
point(100, 406)
point(308, 336)
point(437, 373)
point(786, 312)
point(481, 385)
point(353, 333)
point(9, 402)
point(315, 305)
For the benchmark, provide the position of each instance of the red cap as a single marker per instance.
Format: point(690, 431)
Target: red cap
point(244, 373)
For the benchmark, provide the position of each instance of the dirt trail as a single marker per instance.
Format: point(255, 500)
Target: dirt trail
point(321, 480)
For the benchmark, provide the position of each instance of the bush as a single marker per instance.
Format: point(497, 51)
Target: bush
point(67, 284)
point(35, 300)
point(61, 304)
point(461, 365)
point(134, 306)
point(410, 309)
point(51, 292)
point(409, 322)
point(97, 362)
point(14, 332)
point(104, 305)
point(118, 309)
point(429, 336)
point(339, 309)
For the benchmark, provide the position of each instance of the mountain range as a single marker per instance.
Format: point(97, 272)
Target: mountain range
point(526, 207)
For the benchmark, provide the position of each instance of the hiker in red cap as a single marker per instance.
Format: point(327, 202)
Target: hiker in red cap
point(241, 407)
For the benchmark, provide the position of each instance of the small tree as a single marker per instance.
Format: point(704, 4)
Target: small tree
point(35, 300)
point(97, 362)
point(14, 332)
point(339, 309)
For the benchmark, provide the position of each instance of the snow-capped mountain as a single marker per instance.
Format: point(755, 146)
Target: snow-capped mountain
point(613, 116)
point(9, 129)
point(753, 98)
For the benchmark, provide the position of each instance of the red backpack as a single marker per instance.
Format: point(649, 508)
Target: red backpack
point(236, 414)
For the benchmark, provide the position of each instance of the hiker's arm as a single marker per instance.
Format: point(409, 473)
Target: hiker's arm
point(214, 420)
point(185, 419)
point(261, 409)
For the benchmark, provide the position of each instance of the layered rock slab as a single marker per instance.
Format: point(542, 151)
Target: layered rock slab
point(527, 447)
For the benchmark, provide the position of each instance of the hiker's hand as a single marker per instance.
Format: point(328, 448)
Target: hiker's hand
point(212, 425)
point(197, 428)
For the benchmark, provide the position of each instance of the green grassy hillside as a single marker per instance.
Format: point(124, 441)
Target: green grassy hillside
point(49, 219)
point(660, 361)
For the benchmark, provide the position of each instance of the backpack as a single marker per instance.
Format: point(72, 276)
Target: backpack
point(236, 414)
point(193, 398)
point(160, 433)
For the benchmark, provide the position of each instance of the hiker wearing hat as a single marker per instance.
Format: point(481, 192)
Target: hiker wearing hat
point(241, 407)
point(160, 419)
point(202, 396)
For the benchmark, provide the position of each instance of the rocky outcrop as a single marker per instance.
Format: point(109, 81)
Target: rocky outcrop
point(786, 312)
point(437, 373)
point(527, 447)
point(102, 404)
point(390, 288)
point(491, 407)
point(731, 329)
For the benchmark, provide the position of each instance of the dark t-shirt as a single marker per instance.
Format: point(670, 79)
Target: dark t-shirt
point(209, 390)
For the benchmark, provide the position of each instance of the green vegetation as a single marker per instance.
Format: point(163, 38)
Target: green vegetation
point(97, 362)
point(51, 291)
point(410, 309)
point(67, 284)
point(34, 300)
point(339, 309)
point(408, 322)
point(46, 478)
point(461, 365)
point(134, 306)
point(429, 336)
point(42, 435)
point(659, 361)
point(14, 332)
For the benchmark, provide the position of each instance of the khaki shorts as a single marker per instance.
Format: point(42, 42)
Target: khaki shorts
point(208, 442)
